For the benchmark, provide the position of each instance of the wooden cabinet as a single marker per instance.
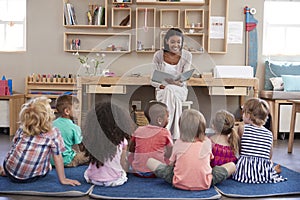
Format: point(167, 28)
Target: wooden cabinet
point(15, 103)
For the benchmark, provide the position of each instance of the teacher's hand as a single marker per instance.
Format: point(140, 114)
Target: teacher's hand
point(173, 82)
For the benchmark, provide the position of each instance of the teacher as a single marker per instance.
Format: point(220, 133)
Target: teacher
point(173, 60)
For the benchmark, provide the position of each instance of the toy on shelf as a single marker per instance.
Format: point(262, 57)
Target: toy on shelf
point(51, 78)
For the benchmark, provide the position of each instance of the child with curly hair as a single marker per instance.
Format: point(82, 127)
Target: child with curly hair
point(34, 144)
point(189, 167)
point(225, 141)
point(254, 164)
point(105, 137)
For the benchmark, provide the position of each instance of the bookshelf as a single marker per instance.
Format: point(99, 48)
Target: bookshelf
point(76, 13)
point(98, 42)
point(142, 15)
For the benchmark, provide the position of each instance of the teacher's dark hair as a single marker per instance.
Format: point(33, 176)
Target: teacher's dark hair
point(171, 32)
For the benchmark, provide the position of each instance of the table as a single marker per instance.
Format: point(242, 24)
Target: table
point(116, 84)
point(295, 110)
point(15, 103)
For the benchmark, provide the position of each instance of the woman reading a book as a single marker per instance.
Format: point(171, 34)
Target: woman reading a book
point(173, 60)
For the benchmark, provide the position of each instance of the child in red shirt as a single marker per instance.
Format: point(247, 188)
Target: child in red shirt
point(152, 140)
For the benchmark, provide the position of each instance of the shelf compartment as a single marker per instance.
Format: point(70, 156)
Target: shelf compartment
point(194, 18)
point(193, 42)
point(81, 18)
point(125, 2)
point(168, 2)
point(98, 42)
point(145, 29)
point(169, 18)
point(218, 16)
point(119, 15)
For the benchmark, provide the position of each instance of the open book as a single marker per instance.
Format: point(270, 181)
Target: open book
point(160, 76)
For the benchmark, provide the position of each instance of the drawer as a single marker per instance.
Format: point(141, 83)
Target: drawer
point(106, 89)
point(229, 90)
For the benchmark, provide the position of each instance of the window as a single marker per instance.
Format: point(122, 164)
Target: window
point(281, 28)
point(12, 25)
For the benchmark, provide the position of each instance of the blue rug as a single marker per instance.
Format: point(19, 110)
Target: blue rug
point(49, 185)
point(231, 188)
point(149, 188)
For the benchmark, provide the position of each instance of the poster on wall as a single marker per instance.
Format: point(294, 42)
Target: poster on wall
point(235, 32)
point(217, 27)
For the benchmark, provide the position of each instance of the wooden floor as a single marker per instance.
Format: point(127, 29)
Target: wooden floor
point(280, 156)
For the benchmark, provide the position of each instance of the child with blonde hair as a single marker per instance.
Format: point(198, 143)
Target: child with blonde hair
point(33, 145)
point(189, 167)
point(105, 137)
point(225, 141)
point(152, 140)
point(254, 164)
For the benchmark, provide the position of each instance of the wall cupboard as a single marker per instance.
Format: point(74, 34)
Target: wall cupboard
point(149, 18)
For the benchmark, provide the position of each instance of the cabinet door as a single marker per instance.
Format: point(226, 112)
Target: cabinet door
point(4, 116)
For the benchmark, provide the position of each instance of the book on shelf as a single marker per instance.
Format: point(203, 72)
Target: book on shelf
point(160, 76)
point(69, 14)
point(99, 16)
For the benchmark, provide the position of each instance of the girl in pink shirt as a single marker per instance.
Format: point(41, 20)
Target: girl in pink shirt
point(105, 135)
point(189, 167)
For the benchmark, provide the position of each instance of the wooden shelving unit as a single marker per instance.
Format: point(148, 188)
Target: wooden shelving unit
point(80, 9)
point(194, 18)
point(50, 87)
point(169, 18)
point(218, 9)
point(193, 42)
point(145, 29)
point(119, 15)
point(98, 42)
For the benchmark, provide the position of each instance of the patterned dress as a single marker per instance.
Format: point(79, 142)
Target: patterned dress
point(254, 164)
point(222, 154)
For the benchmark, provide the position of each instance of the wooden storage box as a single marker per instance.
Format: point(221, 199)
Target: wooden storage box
point(228, 90)
point(110, 89)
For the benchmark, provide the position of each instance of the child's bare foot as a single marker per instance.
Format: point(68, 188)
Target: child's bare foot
point(2, 172)
point(277, 169)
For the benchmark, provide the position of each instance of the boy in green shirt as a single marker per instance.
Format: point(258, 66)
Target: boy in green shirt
point(67, 108)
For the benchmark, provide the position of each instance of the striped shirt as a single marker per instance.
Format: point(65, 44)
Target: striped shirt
point(254, 164)
point(256, 141)
point(30, 155)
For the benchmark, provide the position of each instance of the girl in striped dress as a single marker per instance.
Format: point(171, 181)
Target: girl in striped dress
point(254, 164)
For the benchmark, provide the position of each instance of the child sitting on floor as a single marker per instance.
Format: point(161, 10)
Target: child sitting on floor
point(105, 133)
point(189, 167)
point(225, 141)
point(254, 164)
point(33, 145)
point(152, 140)
point(67, 106)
